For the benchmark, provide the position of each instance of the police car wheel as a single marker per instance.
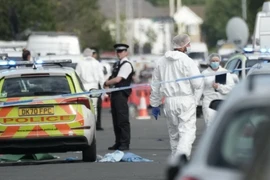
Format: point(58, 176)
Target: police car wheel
point(89, 153)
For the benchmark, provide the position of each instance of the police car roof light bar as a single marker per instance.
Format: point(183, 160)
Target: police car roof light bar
point(40, 61)
point(58, 62)
point(12, 63)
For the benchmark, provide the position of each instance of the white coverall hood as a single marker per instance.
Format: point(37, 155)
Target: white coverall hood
point(174, 55)
point(180, 98)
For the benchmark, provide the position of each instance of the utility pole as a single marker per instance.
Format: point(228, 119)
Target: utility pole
point(244, 9)
point(117, 21)
point(172, 7)
point(141, 26)
point(179, 4)
point(129, 22)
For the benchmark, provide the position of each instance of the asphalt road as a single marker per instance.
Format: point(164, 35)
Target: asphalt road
point(149, 140)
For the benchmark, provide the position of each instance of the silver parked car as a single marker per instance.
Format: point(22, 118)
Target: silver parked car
point(228, 146)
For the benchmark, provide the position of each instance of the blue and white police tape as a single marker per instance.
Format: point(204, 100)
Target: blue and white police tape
point(104, 91)
point(132, 61)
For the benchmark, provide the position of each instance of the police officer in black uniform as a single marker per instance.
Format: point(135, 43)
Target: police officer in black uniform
point(121, 77)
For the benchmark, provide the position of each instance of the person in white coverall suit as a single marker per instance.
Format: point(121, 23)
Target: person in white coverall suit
point(181, 97)
point(90, 72)
point(212, 90)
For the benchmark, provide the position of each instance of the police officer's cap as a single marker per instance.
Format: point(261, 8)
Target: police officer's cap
point(121, 47)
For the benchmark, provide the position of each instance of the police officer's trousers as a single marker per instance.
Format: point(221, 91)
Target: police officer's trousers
point(120, 116)
point(99, 107)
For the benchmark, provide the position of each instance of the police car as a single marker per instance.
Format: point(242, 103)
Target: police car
point(259, 68)
point(44, 108)
point(228, 146)
point(245, 61)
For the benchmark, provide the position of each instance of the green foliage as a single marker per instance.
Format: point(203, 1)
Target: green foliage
point(217, 15)
point(83, 17)
point(152, 36)
point(219, 12)
point(19, 17)
point(253, 8)
point(16, 16)
point(185, 2)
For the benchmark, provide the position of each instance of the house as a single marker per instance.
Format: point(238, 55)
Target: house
point(188, 22)
point(149, 29)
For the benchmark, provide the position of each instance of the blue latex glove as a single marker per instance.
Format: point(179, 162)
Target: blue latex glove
point(156, 112)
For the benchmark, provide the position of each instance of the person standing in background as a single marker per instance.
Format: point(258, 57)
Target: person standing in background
point(26, 55)
point(91, 74)
point(99, 100)
point(213, 90)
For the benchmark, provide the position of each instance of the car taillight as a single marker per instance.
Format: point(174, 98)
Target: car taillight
point(189, 178)
point(78, 100)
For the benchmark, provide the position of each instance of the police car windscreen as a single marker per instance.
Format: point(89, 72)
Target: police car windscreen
point(35, 86)
point(252, 62)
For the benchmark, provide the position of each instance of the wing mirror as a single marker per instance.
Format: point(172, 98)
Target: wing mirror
point(175, 166)
point(95, 93)
point(215, 104)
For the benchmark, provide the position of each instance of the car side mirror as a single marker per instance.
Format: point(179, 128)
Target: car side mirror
point(215, 104)
point(95, 93)
point(175, 166)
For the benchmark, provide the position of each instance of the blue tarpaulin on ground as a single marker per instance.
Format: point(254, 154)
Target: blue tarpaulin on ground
point(119, 156)
point(130, 157)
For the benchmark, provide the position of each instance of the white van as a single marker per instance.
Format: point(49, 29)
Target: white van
point(261, 37)
point(198, 52)
point(53, 43)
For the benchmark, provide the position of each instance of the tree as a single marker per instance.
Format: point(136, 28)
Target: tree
point(253, 8)
point(166, 2)
point(84, 18)
point(219, 12)
point(17, 16)
point(152, 36)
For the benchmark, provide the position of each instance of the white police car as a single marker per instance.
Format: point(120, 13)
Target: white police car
point(245, 61)
point(44, 108)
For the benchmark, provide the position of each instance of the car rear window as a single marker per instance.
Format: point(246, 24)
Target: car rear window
point(241, 138)
point(35, 86)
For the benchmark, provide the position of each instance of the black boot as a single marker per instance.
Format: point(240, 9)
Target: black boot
point(99, 129)
point(114, 147)
point(123, 147)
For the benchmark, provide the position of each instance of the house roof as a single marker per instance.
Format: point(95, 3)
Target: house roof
point(147, 10)
point(186, 16)
point(199, 10)
point(107, 8)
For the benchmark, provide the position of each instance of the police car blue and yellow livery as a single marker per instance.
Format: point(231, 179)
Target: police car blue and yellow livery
point(54, 123)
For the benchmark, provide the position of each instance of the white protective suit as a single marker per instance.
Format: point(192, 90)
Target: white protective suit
point(210, 94)
point(180, 99)
point(90, 71)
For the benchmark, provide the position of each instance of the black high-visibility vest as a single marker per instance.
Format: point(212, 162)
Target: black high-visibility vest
point(123, 82)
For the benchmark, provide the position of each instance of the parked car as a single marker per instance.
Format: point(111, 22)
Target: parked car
point(244, 61)
point(259, 168)
point(228, 145)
